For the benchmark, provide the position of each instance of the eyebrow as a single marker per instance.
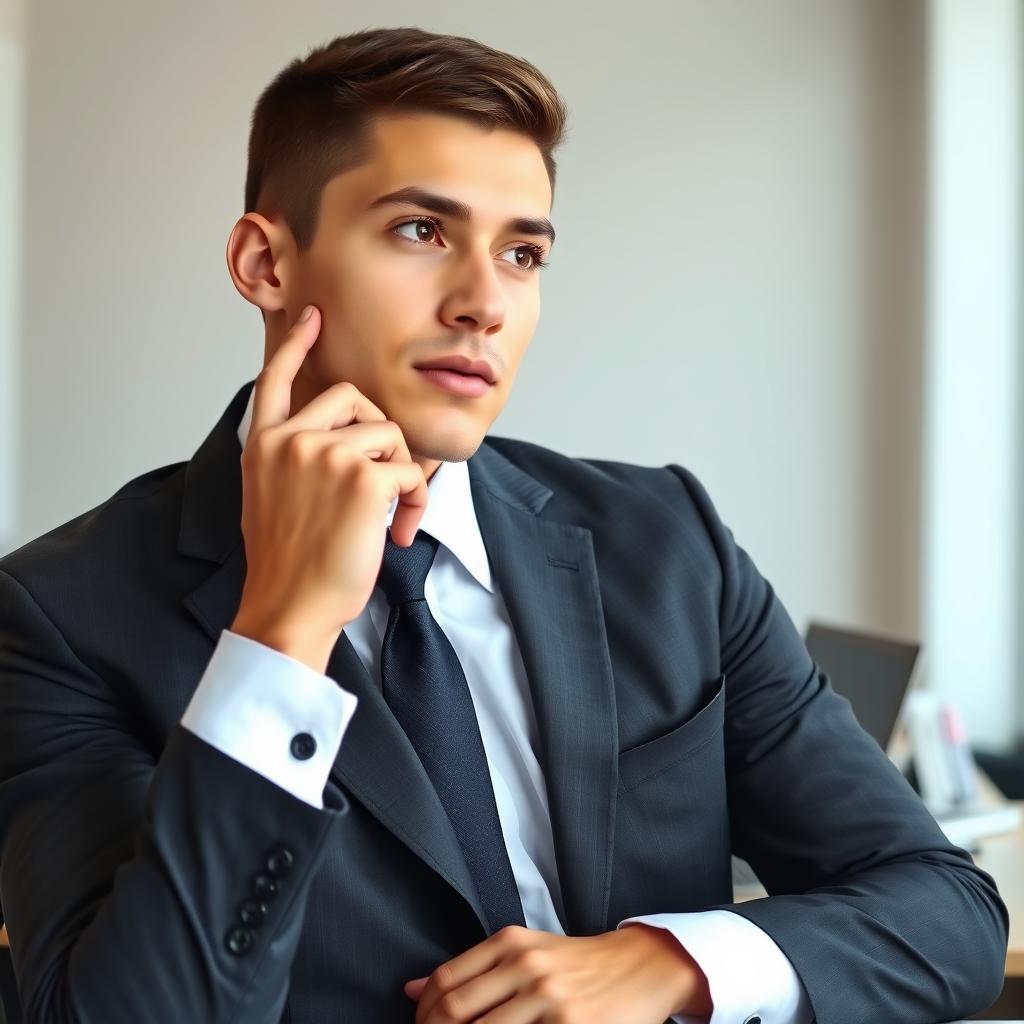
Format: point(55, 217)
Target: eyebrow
point(457, 210)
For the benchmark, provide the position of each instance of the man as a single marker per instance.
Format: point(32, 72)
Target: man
point(364, 715)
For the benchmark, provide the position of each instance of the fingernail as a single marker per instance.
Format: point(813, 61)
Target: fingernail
point(306, 314)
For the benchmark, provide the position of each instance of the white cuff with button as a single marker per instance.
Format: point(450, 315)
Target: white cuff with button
point(751, 980)
point(272, 713)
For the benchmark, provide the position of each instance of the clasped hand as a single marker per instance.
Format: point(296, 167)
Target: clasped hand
point(636, 975)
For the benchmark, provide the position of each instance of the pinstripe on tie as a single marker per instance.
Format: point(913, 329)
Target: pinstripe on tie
point(426, 689)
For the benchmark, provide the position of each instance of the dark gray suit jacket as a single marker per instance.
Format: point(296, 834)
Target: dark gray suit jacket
point(680, 718)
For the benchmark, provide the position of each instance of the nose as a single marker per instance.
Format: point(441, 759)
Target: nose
point(477, 302)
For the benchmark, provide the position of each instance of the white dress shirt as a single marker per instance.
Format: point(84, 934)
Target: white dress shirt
point(253, 699)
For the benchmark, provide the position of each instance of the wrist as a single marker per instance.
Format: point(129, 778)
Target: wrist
point(313, 650)
point(691, 994)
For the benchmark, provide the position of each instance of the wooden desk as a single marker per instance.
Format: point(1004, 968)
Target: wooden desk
point(1003, 858)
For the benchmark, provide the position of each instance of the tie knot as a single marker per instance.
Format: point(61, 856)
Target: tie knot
point(404, 570)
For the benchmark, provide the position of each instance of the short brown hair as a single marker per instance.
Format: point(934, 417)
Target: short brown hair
point(314, 120)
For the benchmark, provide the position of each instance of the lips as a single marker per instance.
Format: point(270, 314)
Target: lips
point(465, 385)
point(461, 364)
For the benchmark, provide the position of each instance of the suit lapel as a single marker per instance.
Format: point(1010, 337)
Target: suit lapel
point(379, 766)
point(548, 578)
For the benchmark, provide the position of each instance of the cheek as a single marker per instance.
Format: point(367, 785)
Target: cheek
point(517, 351)
point(360, 319)
point(385, 302)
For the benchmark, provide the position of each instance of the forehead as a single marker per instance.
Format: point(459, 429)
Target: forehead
point(499, 173)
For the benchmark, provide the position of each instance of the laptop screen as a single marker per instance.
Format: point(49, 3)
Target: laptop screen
point(872, 673)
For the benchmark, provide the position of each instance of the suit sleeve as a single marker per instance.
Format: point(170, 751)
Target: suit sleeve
point(253, 703)
point(880, 915)
point(138, 884)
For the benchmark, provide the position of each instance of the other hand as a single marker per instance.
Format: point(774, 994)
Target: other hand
point(636, 975)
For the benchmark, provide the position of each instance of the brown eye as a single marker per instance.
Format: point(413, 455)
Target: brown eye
point(427, 226)
point(536, 254)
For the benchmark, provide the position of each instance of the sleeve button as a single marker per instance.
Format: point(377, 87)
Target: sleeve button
point(753, 1019)
point(240, 941)
point(303, 746)
point(280, 861)
point(264, 888)
point(252, 912)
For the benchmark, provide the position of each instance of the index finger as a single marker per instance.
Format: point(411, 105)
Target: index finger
point(272, 394)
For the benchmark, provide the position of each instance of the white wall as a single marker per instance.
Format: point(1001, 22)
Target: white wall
point(12, 72)
point(736, 284)
point(974, 477)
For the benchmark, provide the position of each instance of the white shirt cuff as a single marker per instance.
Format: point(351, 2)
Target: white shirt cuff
point(750, 978)
point(273, 713)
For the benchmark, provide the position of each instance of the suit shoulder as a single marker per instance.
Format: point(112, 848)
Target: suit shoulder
point(147, 505)
point(670, 485)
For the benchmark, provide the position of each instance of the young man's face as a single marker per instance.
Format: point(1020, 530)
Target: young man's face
point(393, 293)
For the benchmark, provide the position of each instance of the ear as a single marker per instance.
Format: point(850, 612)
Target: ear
point(259, 255)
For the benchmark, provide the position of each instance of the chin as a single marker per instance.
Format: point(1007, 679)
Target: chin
point(446, 446)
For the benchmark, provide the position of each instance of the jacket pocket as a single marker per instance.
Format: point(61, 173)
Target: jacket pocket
point(638, 764)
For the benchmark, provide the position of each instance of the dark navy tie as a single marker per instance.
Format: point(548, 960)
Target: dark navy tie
point(426, 689)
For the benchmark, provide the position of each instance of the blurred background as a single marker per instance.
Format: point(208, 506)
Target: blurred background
point(789, 254)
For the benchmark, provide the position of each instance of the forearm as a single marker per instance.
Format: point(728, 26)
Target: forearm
point(166, 943)
point(924, 936)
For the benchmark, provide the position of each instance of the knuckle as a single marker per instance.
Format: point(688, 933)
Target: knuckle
point(511, 934)
point(257, 448)
point(337, 457)
point(548, 987)
point(344, 388)
point(347, 394)
point(533, 962)
point(394, 432)
point(443, 977)
point(301, 447)
point(361, 473)
point(450, 1004)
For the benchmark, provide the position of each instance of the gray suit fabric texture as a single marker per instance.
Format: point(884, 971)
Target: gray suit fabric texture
point(681, 719)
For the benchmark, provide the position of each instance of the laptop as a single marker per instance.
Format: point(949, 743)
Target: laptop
point(873, 673)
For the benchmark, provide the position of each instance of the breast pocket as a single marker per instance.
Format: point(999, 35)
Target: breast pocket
point(672, 839)
point(651, 759)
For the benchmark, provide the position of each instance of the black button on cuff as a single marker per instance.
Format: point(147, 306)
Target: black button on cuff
point(252, 912)
point(303, 746)
point(754, 1019)
point(264, 888)
point(280, 861)
point(240, 940)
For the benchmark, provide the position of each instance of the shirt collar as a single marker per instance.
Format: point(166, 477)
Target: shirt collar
point(449, 516)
